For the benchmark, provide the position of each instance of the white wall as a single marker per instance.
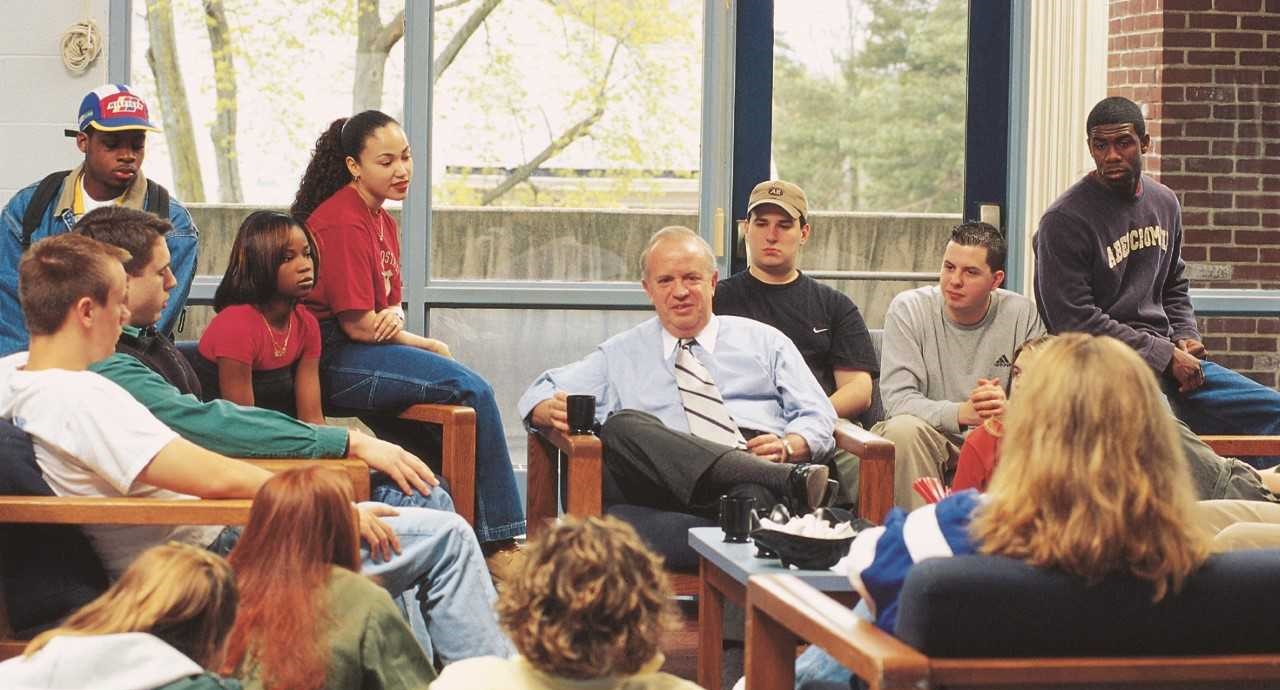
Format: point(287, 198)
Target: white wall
point(40, 95)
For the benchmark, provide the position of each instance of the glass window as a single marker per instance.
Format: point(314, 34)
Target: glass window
point(869, 119)
point(245, 90)
point(483, 338)
point(869, 103)
point(242, 91)
point(563, 135)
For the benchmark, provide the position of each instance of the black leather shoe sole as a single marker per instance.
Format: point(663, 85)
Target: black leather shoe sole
point(806, 488)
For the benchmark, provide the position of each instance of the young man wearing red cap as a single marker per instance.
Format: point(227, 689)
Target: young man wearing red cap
point(111, 132)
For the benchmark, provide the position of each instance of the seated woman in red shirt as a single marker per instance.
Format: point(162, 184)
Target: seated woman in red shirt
point(264, 343)
point(370, 365)
point(981, 450)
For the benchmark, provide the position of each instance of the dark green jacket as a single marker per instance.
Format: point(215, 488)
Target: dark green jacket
point(218, 425)
point(204, 681)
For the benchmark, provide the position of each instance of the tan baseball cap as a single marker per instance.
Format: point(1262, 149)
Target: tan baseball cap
point(782, 194)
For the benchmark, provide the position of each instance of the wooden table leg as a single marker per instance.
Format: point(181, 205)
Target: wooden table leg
point(710, 629)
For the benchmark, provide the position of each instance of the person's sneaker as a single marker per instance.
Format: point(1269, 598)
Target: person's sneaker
point(806, 487)
point(505, 564)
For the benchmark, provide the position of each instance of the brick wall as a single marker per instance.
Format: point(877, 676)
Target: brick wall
point(1208, 72)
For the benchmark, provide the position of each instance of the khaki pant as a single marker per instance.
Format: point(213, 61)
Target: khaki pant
point(919, 451)
point(1239, 525)
point(846, 466)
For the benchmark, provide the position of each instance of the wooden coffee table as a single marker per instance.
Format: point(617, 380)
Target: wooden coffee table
point(723, 570)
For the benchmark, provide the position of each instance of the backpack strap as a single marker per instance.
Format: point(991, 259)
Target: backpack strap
point(157, 199)
point(40, 201)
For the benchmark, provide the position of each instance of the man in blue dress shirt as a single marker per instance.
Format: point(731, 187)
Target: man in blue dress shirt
point(778, 417)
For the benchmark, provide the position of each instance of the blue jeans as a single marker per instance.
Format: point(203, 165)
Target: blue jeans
point(815, 665)
point(441, 568)
point(377, 382)
point(1228, 403)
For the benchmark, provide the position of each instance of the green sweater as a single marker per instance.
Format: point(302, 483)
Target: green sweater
point(221, 426)
point(370, 645)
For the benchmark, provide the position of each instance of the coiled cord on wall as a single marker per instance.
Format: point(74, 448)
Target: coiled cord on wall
point(81, 45)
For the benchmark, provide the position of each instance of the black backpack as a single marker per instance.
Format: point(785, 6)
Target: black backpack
point(157, 202)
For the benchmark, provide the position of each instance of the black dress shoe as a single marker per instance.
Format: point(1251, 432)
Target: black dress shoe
point(806, 487)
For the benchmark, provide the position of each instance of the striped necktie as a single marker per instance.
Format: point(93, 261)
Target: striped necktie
point(708, 416)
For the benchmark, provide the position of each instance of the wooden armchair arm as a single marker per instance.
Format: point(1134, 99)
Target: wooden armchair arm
point(457, 451)
point(583, 465)
point(781, 610)
point(875, 471)
point(356, 471)
point(1243, 446)
point(71, 510)
point(68, 510)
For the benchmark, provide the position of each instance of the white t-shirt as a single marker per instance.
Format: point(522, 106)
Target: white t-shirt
point(89, 203)
point(93, 439)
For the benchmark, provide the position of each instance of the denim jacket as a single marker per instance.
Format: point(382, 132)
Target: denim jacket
point(182, 241)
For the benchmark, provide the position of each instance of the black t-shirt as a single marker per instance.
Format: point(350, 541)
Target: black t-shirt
point(823, 322)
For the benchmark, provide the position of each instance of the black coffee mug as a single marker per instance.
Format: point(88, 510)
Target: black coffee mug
point(735, 518)
point(582, 413)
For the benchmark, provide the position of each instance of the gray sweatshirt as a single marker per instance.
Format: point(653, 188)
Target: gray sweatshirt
point(930, 363)
point(1109, 265)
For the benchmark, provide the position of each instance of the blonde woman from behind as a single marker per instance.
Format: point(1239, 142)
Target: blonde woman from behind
point(159, 626)
point(587, 612)
point(1092, 481)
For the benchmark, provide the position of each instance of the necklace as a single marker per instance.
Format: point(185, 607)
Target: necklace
point(278, 350)
point(382, 224)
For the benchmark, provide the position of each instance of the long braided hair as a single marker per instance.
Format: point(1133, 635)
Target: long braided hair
point(327, 172)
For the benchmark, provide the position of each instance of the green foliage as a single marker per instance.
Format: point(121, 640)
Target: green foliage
point(887, 132)
point(612, 63)
point(602, 84)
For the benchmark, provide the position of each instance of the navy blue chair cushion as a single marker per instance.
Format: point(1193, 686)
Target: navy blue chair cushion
point(51, 570)
point(992, 606)
point(666, 532)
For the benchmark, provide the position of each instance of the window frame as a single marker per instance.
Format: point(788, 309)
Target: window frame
point(732, 159)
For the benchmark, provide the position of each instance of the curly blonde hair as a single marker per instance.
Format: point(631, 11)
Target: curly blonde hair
point(591, 602)
point(1092, 479)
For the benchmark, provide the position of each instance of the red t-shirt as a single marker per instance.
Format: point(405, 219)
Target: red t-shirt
point(978, 458)
point(359, 256)
point(240, 333)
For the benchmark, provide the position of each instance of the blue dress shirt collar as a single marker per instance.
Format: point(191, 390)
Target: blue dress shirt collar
point(706, 339)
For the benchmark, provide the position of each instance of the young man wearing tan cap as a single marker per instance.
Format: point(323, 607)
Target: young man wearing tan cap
point(112, 126)
point(824, 323)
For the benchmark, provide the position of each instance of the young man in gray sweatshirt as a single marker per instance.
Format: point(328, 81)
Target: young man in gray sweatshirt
point(946, 356)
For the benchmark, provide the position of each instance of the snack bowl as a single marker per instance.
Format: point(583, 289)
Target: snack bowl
point(810, 553)
point(806, 553)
